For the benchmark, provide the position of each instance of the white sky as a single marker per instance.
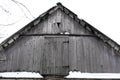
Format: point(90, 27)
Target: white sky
point(102, 14)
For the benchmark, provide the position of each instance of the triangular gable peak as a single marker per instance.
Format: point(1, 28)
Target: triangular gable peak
point(43, 16)
point(58, 42)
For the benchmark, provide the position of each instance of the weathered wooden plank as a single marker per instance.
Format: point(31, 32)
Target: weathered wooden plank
point(2, 56)
point(72, 53)
point(80, 54)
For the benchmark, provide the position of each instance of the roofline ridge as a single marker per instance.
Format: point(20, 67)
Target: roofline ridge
point(59, 4)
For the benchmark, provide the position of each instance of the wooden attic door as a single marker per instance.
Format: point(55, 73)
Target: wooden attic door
point(55, 56)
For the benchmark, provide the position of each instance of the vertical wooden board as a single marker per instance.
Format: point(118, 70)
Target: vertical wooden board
point(58, 16)
point(112, 61)
point(53, 21)
point(31, 49)
point(72, 53)
point(2, 55)
point(56, 22)
point(2, 66)
point(49, 24)
point(44, 52)
point(65, 55)
point(9, 53)
point(53, 48)
point(117, 60)
point(39, 29)
point(9, 62)
point(80, 54)
point(118, 69)
point(117, 64)
point(67, 23)
point(14, 60)
point(105, 59)
point(78, 29)
point(3, 59)
point(96, 54)
point(58, 56)
point(89, 48)
point(90, 54)
point(38, 53)
point(65, 51)
point(98, 45)
point(46, 28)
point(57, 52)
point(99, 55)
point(92, 51)
point(87, 52)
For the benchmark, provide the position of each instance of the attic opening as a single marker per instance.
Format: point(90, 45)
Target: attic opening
point(58, 24)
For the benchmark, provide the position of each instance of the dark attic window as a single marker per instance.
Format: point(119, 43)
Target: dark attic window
point(57, 27)
point(58, 24)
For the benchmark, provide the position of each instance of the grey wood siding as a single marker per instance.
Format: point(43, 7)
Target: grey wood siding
point(56, 23)
point(91, 55)
point(56, 55)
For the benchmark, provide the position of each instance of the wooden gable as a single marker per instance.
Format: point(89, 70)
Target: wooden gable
point(58, 42)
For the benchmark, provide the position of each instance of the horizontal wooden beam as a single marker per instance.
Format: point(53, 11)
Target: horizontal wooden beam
point(79, 35)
